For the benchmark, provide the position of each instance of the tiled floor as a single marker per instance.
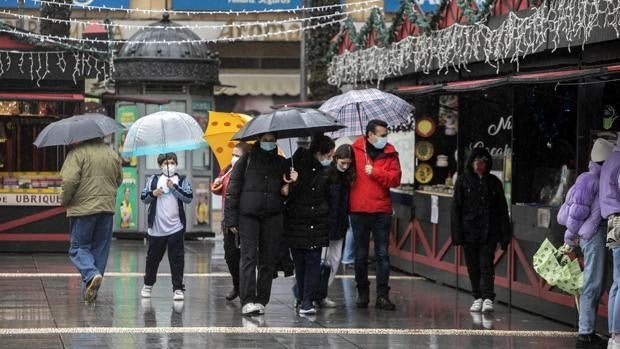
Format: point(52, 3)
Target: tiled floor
point(41, 307)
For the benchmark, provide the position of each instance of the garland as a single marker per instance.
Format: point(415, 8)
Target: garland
point(374, 24)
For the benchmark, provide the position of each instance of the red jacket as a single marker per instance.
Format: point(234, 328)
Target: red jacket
point(225, 176)
point(371, 194)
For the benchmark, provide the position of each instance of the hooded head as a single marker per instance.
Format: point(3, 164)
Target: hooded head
point(479, 161)
point(601, 150)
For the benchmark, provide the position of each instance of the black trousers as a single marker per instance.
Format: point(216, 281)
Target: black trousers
point(479, 260)
point(260, 244)
point(232, 255)
point(176, 258)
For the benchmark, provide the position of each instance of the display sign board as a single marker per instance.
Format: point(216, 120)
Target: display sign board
point(235, 5)
point(125, 218)
point(34, 4)
point(26, 199)
point(425, 5)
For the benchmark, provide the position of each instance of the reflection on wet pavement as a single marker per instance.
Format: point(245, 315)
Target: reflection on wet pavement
point(41, 307)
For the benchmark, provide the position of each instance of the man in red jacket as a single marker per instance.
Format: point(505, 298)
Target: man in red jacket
point(377, 170)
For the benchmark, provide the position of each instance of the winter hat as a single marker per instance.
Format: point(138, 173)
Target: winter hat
point(601, 150)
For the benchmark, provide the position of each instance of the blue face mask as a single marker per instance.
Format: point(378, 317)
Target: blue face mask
point(326, 162)
point(380, 143)
point(268, 146)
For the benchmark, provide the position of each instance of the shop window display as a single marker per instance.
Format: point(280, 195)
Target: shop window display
point(436, 143)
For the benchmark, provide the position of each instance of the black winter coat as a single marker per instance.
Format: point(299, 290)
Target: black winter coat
point(339, 189)
point(254, 186)
point(307, 210)
point(479, 209)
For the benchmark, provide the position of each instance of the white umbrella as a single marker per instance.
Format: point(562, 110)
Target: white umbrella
point(163, 132)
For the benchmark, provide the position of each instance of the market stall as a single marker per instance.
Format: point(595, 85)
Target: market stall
point(40, 84)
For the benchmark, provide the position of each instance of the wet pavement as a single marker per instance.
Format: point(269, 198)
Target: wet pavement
point(41, 307)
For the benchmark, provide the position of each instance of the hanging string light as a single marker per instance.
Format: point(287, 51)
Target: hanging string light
point(73, 21)
point(193, 13)
point(171, 42)
point(571, 22)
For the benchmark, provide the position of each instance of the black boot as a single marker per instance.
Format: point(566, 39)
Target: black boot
point(232, 295)
point(362, 298)
point(383, 303)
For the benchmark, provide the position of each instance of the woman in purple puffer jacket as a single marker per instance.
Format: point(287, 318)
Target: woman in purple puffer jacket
point(581, 214)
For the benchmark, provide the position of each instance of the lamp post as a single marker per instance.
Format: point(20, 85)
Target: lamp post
point(303, 73)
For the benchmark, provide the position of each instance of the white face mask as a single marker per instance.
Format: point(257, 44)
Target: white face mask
point(168, 170)
point(234, 159)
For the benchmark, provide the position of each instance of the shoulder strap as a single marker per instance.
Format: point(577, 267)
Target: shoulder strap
point(154, 182)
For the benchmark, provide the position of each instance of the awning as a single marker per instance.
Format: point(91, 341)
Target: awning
point(474, 85)
point(306, 104)
point(552, 76)
point(418, 89)
point(135, 98)
point(529, 78)
point(258, 84)
point(41, 96)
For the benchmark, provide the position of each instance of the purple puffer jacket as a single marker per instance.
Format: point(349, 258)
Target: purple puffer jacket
point(609, 186)
point(581, 211)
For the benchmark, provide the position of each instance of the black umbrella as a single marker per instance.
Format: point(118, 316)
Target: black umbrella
point(288, 123)
point(77, 128)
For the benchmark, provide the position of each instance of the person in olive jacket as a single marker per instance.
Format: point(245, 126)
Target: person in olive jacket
point(91, 175)
point(479, 221)
point(254, 209)
point(306, 218)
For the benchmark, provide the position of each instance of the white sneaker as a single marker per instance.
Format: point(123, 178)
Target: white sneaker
point(146, 291)
point(327, 303)
point(261, 308)
point(487, 306)
point(487, 321)
point(307, 311)
point(476, 305)
point(250, 309)
point(178, 295)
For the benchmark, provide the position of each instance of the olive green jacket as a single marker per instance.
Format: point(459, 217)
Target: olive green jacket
point(91, 175)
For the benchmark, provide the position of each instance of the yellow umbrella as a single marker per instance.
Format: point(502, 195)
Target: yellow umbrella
point(222, 126)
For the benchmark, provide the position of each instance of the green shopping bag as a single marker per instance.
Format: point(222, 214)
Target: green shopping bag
point(557, 269)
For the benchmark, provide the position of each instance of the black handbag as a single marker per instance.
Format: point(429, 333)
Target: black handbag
point(326, 269)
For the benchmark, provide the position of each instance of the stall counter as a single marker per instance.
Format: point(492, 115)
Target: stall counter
point(32, 218)
point(420, 243)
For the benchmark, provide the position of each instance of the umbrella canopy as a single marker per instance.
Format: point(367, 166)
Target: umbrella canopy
point(289, 122)
point(163, 132)
point(220, 130)
point(76, 129)
point(356, 107)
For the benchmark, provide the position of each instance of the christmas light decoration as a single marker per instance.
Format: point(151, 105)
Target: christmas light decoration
point(566, 22)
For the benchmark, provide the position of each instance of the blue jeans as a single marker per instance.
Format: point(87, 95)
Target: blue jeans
point(307, 274)
point(379, 224)
point(594, 265)
point(348, 255)
point(90, 243)
point(613, 311)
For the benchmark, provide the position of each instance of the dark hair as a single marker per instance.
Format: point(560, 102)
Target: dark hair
point(168, 156)
point(258, 136)
point(321, 144)
point(245, 147)
point(373, 124)
point(344, 151)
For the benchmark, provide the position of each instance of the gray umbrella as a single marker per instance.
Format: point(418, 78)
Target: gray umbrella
point(289, 122)
point(77, 128)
